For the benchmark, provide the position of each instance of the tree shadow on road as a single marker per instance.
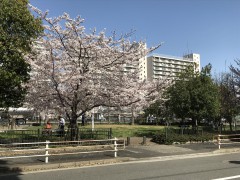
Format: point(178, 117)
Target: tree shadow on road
point(234, 162)
point(7, 172)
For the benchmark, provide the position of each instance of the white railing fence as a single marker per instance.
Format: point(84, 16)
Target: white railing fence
point(226, 139)
point(108, 145)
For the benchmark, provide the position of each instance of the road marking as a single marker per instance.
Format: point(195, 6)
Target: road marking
point(230, 177)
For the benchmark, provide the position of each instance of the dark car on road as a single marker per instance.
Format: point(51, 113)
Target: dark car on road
point(20, 121)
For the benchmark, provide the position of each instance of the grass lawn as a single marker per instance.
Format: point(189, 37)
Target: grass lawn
point(124, 130)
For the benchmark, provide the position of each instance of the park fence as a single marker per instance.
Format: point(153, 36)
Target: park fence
point(41, 135)
point(184, 130)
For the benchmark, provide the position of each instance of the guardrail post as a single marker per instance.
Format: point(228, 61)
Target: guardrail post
point(144, 140)
point(115, 147)
point(46, 151)
point(22, 136)
point(110, 133)
point(38, 135)
point(128, 141)
point(219, 141)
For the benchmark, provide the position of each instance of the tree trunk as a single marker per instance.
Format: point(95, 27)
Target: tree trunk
point(108, 115)
point(230, 126)
point(83, 120)
point(133, 118)
point(73, 128)
point(194, 125)
point(230, 123)
point(12, 123)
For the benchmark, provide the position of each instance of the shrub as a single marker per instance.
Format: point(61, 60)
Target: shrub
point(173, 137)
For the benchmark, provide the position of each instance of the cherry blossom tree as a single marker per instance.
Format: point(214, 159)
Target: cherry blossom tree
point(74, 71)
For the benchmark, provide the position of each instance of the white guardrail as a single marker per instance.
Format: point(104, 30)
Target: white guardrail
point(226, 139)
point(114, 144)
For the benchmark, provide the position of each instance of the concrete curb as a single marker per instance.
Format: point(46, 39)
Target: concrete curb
point(62, 165)
point(230, 150)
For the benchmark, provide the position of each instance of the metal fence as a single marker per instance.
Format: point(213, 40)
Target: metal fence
point(41, 135)
point(95, 134)
point(42, 149)
point(184, 130)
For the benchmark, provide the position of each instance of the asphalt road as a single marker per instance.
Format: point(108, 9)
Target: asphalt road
point(192, 168)
point(133, 152)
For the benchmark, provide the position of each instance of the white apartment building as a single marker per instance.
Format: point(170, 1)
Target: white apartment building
point(165, 66)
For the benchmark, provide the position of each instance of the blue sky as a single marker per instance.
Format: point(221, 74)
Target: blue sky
point(210, 28)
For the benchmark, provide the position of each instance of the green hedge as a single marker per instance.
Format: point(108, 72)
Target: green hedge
point(173, 137)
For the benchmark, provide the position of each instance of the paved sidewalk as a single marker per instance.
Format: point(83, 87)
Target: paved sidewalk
point(156, 150)
point(133, 152)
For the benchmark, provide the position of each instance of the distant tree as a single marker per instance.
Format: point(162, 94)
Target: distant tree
point(154, 109)
point(206, 104)
point(74, 71)
point(158, 108)
point(18, 28)
point(153, 101)
point(178, 95)
point(236, 80)
point(194, 96)
point(228, 98)
point(236, 75)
